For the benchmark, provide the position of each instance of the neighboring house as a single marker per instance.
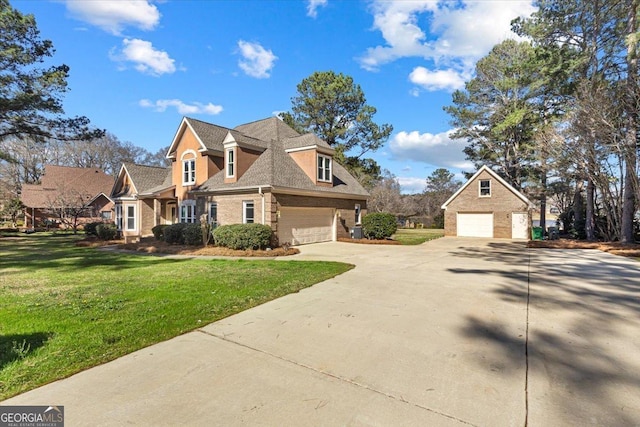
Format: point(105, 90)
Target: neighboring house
point(487, 206)
point(260, 172)
point(65, 194)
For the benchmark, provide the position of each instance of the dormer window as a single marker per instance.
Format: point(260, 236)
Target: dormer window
point(231, 163)
point(189, 168)
point(324, 168)
point(485, 188)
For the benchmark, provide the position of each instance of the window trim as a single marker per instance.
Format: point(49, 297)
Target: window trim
point(190, 206)
point(213, 220)
point(119, 217)
point(127, 218)
point(189, 171)
point(230, 163)
point(322, 170)
point(480, 188)
point(245, 205)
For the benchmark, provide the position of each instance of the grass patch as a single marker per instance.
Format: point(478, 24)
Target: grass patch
point(65, 308)
point(416, 236)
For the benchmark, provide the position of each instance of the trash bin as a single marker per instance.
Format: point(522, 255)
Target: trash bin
point(357, 232)
point(536, 233)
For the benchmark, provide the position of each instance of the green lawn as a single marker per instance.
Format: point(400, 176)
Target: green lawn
point(64, 308)
point(416, 236)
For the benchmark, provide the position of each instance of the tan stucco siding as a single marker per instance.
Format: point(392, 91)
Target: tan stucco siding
point(307, 160)
point(188, 148)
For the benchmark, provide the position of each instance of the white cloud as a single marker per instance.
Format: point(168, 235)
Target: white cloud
point(113, 15)
point(412, 185)
point(145, 57)
point(451, 35)
point(439, 79)
point(184, 109)
point(438, 150)
point(313, 5)
point(256, 60)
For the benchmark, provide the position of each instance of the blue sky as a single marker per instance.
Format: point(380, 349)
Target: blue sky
point(138, 66)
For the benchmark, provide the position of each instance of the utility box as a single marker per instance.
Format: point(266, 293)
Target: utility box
point(356, 233)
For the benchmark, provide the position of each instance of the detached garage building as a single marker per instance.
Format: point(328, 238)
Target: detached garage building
point(487, 206)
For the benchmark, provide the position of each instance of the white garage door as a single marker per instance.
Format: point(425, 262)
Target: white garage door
point(475, 224)
point(299, 226)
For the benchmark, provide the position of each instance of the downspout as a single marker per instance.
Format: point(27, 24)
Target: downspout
point(262, 195)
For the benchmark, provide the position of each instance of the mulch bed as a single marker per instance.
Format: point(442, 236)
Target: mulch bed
point(616, 248)
point(152, 246)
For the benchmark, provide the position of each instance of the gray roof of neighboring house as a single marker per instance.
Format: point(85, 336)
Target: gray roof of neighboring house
point(271, 129)
point(146, 178)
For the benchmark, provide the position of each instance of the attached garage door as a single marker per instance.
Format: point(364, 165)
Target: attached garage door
point(299, 226)
point(475, 224)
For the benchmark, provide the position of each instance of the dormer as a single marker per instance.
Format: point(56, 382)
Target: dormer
point(240, 151)
point(314, 156)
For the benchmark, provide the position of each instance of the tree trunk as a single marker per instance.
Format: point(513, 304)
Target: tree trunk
point(589, 224)
point(630, 143)
point(543, 194)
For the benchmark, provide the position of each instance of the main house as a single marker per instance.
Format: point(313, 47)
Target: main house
point(261, 172)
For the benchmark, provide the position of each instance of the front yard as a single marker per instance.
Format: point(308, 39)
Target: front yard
point(65, 308)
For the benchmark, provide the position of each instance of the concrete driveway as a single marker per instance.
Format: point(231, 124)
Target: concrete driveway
point(453, 332)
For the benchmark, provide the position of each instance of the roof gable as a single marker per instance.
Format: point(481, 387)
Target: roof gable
point(143, 178)
point(498, 178)
point(208, 135)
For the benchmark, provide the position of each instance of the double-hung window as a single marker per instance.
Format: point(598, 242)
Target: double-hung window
point(188, 211)
point(231, 163)
point(213, 214)
point(189, 172)
point(119, 221)
point(324, 168)
point(247, 212)
point(131, 218)
point(485, 188)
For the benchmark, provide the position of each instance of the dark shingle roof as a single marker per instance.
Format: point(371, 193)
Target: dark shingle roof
point(146, 178)
point(276, 168)
point(271, 129)
point(211, 135)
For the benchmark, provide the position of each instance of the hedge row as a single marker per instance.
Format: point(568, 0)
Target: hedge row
point(243, 236)
point(235, 236)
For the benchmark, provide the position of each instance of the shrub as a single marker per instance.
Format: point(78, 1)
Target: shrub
point(379, 225)
point(158, 231)
point(106, 231)
point(90, 228)
point(173, 234)
point(192, 235)
point(243, 236)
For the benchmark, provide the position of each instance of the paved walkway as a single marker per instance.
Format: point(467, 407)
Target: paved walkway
point(454, 332)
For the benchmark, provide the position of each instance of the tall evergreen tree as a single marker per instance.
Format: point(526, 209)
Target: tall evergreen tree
point(30, 94)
